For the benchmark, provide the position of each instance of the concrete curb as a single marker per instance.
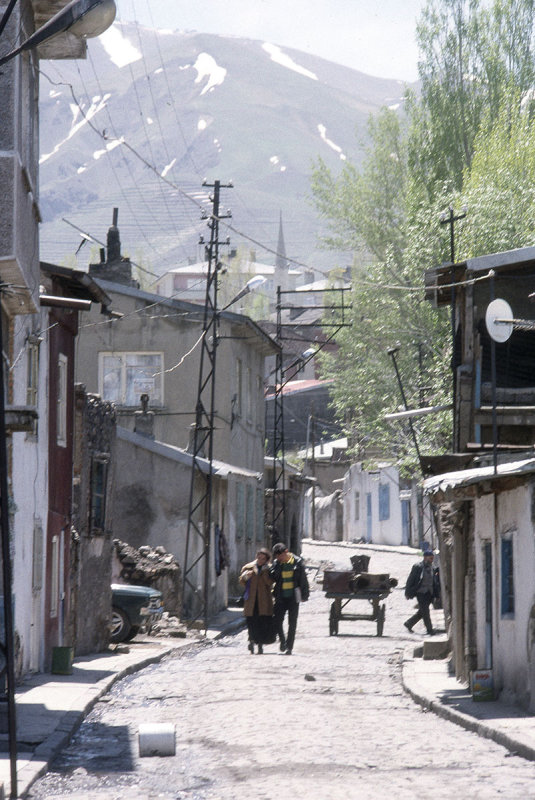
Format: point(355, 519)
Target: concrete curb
point(404, 550)
point(469, 723)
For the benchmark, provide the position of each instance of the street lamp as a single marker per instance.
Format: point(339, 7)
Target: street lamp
point(252, 285)
point(83, 18)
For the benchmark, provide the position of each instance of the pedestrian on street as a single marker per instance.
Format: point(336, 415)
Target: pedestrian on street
point(258, 600)
point(422, 584)
point(290, 588)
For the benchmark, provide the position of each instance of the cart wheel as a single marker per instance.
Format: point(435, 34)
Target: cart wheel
point(381, 613)
point(333, 621)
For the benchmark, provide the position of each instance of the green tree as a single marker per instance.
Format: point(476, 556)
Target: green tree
point(470, 56)
point(468, 138)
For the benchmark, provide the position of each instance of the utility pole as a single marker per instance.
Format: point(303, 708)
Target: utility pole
point(450, 220)
point(339, 306)
point(198, 537)
point(278, 514)
point(313, 470)
point(7, 645)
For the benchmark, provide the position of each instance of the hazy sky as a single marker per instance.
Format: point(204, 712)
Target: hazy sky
point(374, 36)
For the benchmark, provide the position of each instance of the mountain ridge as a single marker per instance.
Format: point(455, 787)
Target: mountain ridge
point(195, 105)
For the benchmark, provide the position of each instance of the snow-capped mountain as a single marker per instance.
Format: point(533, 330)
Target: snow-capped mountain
point(151, 105)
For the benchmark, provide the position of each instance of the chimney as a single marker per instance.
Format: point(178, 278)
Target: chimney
point(114, 240)
point(144, 419)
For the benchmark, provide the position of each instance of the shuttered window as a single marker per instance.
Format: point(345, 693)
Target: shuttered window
point(259, 515)
point(250, 529)
point(384, 501)
point(240, 511)
point(508, 585)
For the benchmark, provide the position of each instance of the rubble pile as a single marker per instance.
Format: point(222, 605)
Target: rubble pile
point(152, 567)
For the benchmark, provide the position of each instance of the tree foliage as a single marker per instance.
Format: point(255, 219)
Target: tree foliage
point(469, 137)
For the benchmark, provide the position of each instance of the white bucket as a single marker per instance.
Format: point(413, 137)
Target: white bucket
point(157, 739)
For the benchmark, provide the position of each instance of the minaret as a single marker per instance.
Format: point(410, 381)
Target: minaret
point(281, 262)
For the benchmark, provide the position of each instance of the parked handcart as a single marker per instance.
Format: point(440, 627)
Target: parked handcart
point(345, 587)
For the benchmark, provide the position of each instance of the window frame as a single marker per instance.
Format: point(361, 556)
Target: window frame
point(384, 502)
point(123, 389)
point(32, 377)
point(507, 574)
point(61, 401)
point(99, 465)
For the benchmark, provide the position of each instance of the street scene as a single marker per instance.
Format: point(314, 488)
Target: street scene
point(331, 721)
point(267, 399)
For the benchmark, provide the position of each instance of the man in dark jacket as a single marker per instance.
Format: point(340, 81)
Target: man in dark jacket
point(290, 588)
point(422, 584)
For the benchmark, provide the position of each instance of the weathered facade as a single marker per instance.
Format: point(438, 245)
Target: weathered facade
point(26, 335)
point(485, 512)
point(509, 276)
point(152, 351)
point(92, 522)
point(382, 508)
point(62, 287)
point(487, 524)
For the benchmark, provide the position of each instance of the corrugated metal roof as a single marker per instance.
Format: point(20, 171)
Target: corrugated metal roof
point(465, 477)
point(220, 468)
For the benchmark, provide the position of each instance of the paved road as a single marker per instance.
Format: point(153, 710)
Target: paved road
point(331, 722)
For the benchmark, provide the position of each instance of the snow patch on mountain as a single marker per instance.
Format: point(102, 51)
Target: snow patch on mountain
point(109, 147)
point(323, 133)
point(97, 104)
point(168, 167)
point(207, 67)
point(284, 60)
point(120, 50)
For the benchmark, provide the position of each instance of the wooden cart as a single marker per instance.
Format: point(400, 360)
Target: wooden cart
point(342, 599)
point(345, 586)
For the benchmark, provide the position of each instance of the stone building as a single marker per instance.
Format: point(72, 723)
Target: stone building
point(92, 522)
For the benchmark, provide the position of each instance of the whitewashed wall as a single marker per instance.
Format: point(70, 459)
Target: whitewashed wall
point(358, 524)
point(513, 637)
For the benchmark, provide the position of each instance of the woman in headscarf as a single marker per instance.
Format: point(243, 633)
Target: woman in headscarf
point(258, 600)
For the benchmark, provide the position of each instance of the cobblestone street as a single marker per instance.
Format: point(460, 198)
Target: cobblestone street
point(331, 722)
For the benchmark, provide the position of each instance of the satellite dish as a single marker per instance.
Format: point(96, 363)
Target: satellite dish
point(499, 310)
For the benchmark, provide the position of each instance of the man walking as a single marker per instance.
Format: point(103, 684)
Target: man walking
point(422, 584)
point(290, 588)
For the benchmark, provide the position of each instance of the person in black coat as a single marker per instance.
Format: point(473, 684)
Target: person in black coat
point(422, 584)
point(290, 587)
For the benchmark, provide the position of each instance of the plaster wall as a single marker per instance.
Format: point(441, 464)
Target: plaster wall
point(513, 646)
point(356, 522)
point(151, 507)
point(329, 518)
point(30, 503)
point(146, 327)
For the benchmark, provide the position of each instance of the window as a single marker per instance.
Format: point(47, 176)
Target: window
point(61, 415)
point(239, 387)
point(37, 557)
point(250, 529)
point(259, 515)
point(249, 396)
point(54, 583)
point(124, 377)
point(357, 506)
point(99, 477)
point(508, 586)
point(33, 373)
point(240, 511)
point(384, 501)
